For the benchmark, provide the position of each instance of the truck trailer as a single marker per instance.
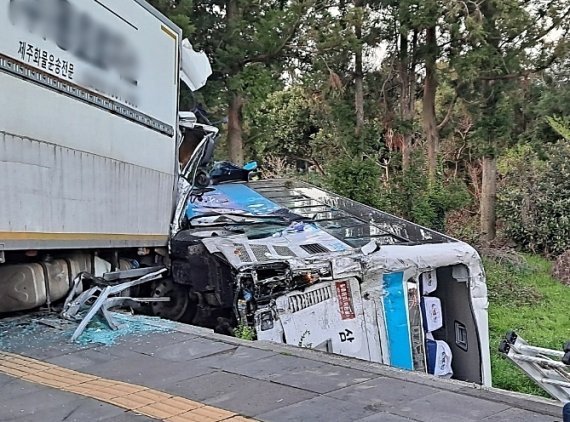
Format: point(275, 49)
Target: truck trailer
point(88, 141)
point(88, 124)
point(92, 180)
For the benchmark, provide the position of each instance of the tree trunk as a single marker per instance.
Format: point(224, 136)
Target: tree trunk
point(405, 103)
point(430, 90)
point(234, 136)
point(359, 75)
point(234, 139)
point(489, 199)
point(359, 95)
point(232, 16)
point(406, 152)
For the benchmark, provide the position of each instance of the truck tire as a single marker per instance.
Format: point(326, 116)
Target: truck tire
point(178, 306)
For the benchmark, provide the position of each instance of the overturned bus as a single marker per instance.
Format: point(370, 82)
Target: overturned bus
point(305, 267)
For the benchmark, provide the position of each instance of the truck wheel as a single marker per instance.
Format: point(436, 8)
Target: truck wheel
point(202, 179)
point(178, 304)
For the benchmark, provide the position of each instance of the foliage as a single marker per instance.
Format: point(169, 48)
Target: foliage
point(534, 305)
point(419, 200)
point(500, 70)
point(561, 126)
point(245, 332)
point(505, 286)
point(285, 125)
point(427, 202)
point(543, 96)
point(179, 12)
point(535, 199)
point(357, 179)
point(561, 270)
point(246, 42)
point(463, 224)
point(408, 194)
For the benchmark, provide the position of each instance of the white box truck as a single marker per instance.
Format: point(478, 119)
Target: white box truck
point(88, 139)
point(88, 118)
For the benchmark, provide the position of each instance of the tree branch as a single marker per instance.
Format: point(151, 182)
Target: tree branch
point(447, 118)
point(267, 57)
point(546, 31)
point(524, 73)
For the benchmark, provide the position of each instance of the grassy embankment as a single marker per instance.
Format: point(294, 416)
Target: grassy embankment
point(529, 301)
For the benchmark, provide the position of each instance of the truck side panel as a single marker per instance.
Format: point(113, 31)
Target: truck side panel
point(55, 197)
point(87, 158)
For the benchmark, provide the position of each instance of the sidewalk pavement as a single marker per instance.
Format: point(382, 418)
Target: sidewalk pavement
point(263, 381)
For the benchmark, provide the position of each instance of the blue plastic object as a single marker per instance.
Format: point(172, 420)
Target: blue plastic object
point(247, 295)
point(431, 355)
point(251, 166)
point(298, 227)
point(237, 197)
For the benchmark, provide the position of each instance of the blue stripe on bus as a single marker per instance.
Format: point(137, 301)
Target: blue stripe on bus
point(397, 325)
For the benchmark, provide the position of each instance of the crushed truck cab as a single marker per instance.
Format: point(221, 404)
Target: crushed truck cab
point(306, 267)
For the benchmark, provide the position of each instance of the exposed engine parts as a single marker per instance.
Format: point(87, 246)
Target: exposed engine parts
point(218, 289)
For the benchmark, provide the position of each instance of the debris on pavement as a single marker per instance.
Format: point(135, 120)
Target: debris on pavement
point(31, 330)
point(83, 306)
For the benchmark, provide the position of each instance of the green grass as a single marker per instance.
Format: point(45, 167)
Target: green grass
point(530, 302)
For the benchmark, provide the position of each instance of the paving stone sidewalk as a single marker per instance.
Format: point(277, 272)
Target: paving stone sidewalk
point(264, 381)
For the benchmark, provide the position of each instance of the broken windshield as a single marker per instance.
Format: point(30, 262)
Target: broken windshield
point(262, 230)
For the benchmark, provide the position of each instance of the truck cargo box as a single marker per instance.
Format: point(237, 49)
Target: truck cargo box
point(88, 124)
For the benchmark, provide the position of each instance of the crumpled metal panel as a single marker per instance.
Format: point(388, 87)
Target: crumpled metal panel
point(327, 206)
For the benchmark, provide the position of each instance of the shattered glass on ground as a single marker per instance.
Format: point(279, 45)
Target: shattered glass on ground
point(43, 330)
point(98, 332)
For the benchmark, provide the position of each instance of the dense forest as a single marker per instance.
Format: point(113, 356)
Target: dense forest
point(453, 114)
